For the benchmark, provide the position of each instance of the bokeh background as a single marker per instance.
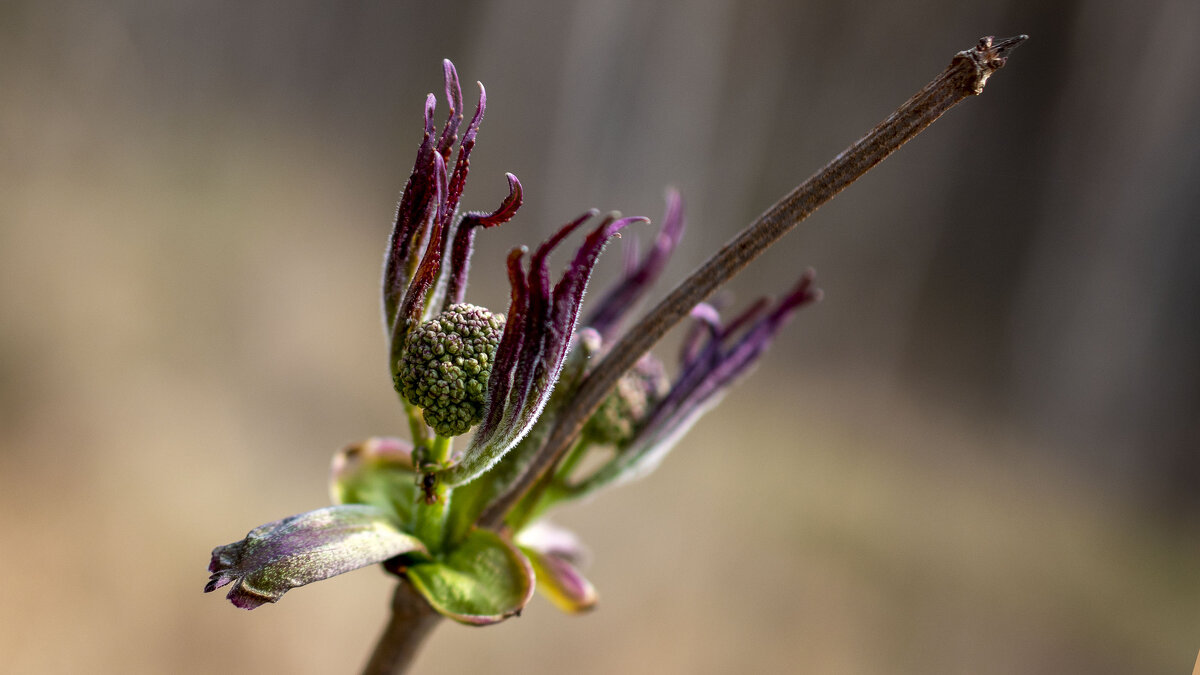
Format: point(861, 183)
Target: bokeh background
point(979, 454)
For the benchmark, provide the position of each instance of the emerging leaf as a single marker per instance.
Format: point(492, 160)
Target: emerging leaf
point(554, 553)
point(561, 583)
point(482, 581)
point(298, 550)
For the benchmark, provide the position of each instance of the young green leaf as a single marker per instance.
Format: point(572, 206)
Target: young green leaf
point(482, 581)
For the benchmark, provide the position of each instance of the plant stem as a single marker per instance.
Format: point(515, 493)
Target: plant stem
point(430, 522)
point(966, 75)
point(564, 469)
point(411, 622)
point(546, 491)
point(416, 423)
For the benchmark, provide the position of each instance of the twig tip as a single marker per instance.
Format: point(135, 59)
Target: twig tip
point(1006, 45)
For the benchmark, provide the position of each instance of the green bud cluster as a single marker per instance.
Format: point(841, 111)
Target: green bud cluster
point(446, 364)
point(620, 415)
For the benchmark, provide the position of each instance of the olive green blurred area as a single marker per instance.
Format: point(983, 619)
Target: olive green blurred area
point(979, 453)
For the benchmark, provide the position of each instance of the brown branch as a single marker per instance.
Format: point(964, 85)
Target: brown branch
point(411, 622)
point(966, 76)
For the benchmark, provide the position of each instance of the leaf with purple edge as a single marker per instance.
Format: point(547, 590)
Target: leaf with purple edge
point(483, 580)
point(298, 550)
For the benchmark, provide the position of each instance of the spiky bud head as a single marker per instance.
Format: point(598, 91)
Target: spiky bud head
point(445, 367)
point(620, 415)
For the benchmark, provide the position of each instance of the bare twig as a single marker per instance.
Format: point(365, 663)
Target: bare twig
point(966, 76)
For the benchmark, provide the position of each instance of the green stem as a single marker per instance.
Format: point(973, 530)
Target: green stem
point(551, 489)
point(433, 503)
point(528, 510)
point(416, 424)
point(599, 478)
point(563, 472)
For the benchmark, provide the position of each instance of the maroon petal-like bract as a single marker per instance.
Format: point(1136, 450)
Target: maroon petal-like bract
point(464, 239)
point(411, 215)
point(413, 306)
point(528, 364)
point(709, 366)
point(508, 353)
point(429, 250)
point(715, 367)
point(458, 178)
point(607, 316)
point(724, 367)
point(454, 98)
point(540, 337)
point(426, 271)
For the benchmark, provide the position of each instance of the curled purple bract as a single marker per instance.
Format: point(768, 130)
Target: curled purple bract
point(640, 274)
point(429, 251)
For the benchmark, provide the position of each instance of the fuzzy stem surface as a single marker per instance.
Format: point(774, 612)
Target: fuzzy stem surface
point(966, 75)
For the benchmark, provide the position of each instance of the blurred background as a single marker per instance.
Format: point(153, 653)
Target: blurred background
point(978, 454)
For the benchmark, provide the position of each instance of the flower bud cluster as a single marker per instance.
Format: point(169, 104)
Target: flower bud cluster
point(446, 365)
point(618, 418)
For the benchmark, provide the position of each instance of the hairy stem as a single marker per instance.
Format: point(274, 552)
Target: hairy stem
point(966, 76)
point(411, 622)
